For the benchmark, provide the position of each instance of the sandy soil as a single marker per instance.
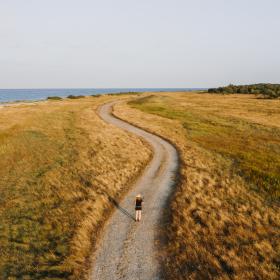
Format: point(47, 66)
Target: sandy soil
point(128, 248)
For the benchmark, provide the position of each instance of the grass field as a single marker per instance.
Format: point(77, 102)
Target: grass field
point(60, 168)
point(224, 221)
point(252, 144)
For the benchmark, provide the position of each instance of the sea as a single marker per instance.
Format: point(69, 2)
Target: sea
point(13, 95)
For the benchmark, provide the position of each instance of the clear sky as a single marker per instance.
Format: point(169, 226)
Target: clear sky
point(138, 43)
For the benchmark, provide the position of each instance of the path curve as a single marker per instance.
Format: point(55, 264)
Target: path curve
point(127, 249)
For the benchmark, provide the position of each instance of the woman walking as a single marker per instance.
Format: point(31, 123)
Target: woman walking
point(138, 207)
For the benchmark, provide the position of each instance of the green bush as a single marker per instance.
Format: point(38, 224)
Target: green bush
point(75, 96)
point(267, 90)
point(125, 93)
point(54, 98)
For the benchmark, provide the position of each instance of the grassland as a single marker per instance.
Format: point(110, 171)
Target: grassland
point(224, 219)
point(61, 167)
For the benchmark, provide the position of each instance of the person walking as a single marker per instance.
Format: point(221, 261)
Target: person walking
point(138, 207)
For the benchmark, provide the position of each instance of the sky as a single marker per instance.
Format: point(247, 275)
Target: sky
point(138, 43)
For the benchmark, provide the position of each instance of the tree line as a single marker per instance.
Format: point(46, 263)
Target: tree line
point(267, 90)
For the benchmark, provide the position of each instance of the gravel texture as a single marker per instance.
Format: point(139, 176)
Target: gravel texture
point(127, 249)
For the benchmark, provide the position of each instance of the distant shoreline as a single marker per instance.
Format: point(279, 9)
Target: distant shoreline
point(8, 96)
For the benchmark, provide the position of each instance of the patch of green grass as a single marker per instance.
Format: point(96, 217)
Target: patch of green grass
point(34, 236)
point(253, 149)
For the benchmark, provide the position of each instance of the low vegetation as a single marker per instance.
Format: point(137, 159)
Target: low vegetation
point(129, 93)
point(253, 148)
point(266, 90)
point(61, 167)
point(224, 220)
point(75, 96)
point(54, 98)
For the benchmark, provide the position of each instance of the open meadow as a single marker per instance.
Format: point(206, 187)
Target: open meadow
point(140, 140)
point(223, 220)
point(61, 170)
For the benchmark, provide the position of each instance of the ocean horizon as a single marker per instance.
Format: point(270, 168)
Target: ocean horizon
point(13, 95)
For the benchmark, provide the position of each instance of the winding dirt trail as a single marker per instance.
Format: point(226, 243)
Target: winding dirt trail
point(127, 249)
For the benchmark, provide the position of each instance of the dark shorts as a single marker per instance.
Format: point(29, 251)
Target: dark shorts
point(138, 208)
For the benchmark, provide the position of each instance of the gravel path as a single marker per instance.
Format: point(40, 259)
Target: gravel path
point(127, 249)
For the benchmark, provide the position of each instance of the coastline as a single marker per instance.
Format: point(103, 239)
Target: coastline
point(27, 95)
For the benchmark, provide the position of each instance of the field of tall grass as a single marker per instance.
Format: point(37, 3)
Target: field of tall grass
point(61, 167)
point(223, 220)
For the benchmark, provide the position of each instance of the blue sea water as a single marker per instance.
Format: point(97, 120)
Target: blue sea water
point(10, 95)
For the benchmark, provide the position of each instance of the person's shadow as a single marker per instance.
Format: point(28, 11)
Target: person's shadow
point(124, 211)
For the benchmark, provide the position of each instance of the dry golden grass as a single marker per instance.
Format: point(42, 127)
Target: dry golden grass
point(223, 223)
point(60, 168)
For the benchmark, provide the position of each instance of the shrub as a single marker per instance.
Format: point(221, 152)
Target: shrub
point(267, 90)
point(125, 93)
point(54, 98)
point(75, 96)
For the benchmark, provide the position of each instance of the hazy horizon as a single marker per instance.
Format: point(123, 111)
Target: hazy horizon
point(138, 44)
